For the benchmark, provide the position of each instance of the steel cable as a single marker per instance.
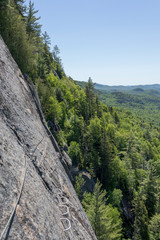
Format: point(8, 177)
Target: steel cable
point(14, 210)
point(5, 232)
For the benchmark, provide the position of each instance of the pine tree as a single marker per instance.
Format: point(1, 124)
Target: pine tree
point(151, 196)
point(46, 39)
point(90, 99)
point(93, 144)
point(141, 220)
point(106, 159)
point(33, 28)
point(104, 218)
point(46, 54)
point(55, 53)
point(154, 227)
point(21, 7)
point(57, 62)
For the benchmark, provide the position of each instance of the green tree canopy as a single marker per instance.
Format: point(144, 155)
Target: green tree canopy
point(104, 218)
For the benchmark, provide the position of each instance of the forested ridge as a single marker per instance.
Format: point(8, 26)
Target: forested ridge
point(145, 104)
point(118, 149)
point(143, 100)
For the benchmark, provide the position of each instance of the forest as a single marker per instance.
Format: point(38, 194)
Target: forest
point(120, 150)
point(141, 100)
point(144, 103)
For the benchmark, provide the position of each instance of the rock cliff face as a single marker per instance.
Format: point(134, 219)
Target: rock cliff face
point(37, 199)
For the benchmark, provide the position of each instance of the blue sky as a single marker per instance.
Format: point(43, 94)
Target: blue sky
point(115, 42)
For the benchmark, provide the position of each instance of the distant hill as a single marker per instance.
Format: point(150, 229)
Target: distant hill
point(121, 88)
point(143, 100)
point(126, 88)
